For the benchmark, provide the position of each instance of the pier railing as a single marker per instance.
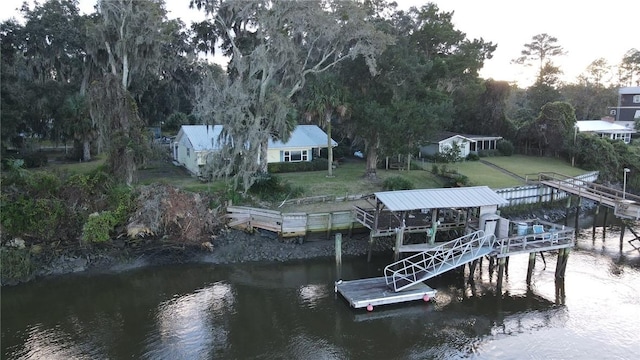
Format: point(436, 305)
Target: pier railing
point(437, 260)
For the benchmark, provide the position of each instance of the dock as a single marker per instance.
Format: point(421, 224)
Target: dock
point(375, 291)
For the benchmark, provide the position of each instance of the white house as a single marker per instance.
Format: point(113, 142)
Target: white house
point(606, 129)
point(467, 143)
point(192, 145)
point(195, 142)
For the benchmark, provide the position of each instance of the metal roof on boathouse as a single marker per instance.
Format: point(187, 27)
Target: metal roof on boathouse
point(462, 197)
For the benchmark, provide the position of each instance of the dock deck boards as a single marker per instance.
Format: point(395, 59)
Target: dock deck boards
point(374, 291)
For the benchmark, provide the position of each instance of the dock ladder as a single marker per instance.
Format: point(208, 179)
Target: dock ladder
point(419, 267)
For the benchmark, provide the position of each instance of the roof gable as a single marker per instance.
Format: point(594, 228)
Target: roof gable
point(201, 137)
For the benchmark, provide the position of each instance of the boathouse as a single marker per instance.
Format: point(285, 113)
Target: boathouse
point(455, 211)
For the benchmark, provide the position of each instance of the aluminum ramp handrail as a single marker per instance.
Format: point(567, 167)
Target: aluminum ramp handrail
point(417, 268)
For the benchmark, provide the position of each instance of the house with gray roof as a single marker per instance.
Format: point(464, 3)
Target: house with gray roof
point(194, 143)
point(467, 143)
point(606, 128)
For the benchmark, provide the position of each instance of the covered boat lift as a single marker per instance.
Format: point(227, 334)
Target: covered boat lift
point(427, 211)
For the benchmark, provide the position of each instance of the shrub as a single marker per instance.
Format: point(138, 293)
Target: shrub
point(505, 147)
point(35, 217)
point(122, 201)
point(397, 183)
point(35, 159)
point(16, 264)
point(473, 157)
point(434, 169)
point(98, 227)
point(316, 164)
point(459, 180)
point(271, 188)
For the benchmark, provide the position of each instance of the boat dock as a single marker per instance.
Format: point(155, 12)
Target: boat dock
point(404, 280)
point(363, 293)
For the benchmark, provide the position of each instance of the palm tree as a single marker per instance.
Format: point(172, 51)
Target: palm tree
point(79, 124)
point(326, 100)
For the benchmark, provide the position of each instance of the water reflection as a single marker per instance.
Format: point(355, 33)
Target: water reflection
point(192, 326)
point(55, 343)
point(282, 311)
point(311, 295)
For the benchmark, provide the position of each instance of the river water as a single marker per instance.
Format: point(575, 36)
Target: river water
point(290, 311)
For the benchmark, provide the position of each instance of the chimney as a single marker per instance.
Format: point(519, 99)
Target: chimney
point(610, 119)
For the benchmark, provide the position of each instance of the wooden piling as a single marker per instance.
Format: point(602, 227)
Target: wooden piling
point(560, 293)
point(371, 237)
point(339, 256)
point(491, 266)
point(399, 241)
point(566, 211)
point(501, 264)
point(604, 222)
point(472, 269)
point(622, 231)
point(532, 264)
point(575, 227)
point(561, 264)
point(595, 216)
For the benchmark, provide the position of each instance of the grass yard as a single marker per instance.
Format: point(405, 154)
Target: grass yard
point(481, 174)
point(348, 180)
point(526, 165)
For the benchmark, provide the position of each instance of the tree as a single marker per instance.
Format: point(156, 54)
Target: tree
point(274, 46)
point(326, 101)
point(542, 49)
point(629, 68)
point(77, 122)
point(41, 65)
point(553, 128)
point(411, 96)
point(113, 107)
point(128, 35)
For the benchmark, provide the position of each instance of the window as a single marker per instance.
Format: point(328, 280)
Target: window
point(295, 156)
point(636, 99)
point(188, 153)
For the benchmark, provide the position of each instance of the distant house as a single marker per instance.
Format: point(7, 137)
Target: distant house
point(467, 143)
point(606, 128)
point(194, 143)
point(628, 108)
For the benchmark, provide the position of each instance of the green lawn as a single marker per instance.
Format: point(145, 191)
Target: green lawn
point(348, 177)
point(348, 180)
point(527, 165)
point(481, 174)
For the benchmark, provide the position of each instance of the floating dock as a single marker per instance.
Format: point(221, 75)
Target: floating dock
point(375, 291)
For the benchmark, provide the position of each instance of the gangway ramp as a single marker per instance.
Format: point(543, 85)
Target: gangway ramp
point(422, 266)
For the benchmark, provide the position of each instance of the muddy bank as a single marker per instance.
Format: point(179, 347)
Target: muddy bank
point(228, 247)
point(171, 226)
